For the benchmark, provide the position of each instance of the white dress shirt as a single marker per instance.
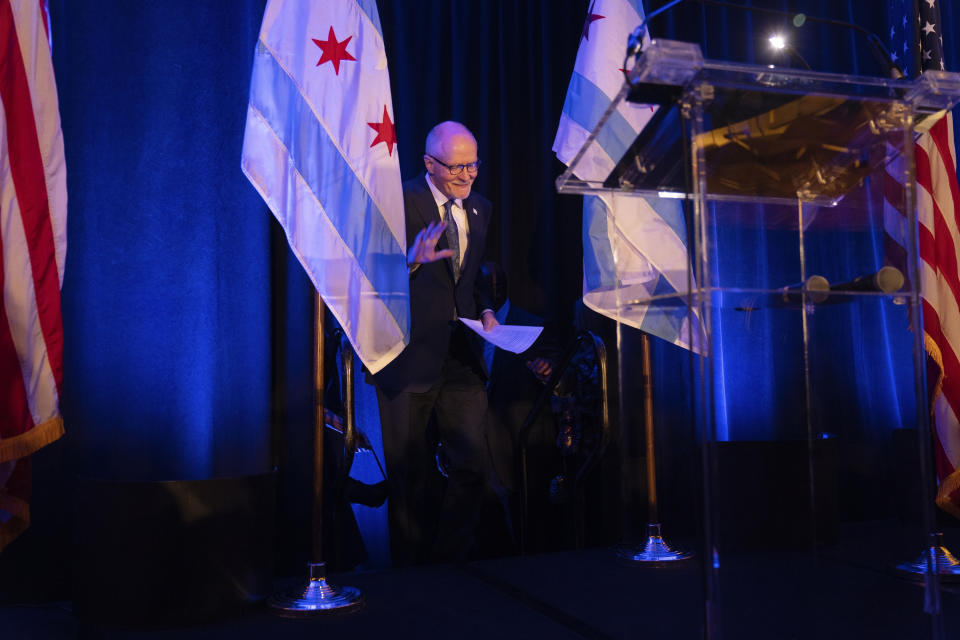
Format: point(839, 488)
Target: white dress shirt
point(459, 216)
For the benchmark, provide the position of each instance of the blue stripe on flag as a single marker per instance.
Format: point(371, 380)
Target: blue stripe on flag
point(347, 203)
point(671, 210)
point(665, 322)
point(638, 5)
point(598, 265)
point(369, 7)
point(585, 105)
point(663, 287)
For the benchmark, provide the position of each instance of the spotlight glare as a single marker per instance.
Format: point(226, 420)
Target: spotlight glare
point(777, 42)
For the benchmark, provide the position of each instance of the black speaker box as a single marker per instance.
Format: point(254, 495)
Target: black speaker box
point(150, 554)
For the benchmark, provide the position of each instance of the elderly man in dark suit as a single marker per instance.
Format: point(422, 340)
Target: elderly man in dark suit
point(440, 373)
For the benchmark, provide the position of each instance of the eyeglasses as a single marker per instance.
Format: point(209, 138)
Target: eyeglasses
point(455, 169)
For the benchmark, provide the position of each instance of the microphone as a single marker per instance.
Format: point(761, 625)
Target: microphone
point(635, 39)
point(880, 53)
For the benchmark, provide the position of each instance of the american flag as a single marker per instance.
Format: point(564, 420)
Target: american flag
point(33, 225)
point(919, 44)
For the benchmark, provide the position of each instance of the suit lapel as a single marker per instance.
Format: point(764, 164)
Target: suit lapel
point(426, 205)
point(429, 212)
point(474, 226)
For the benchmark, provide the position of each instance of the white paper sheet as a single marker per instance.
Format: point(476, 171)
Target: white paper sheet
point(511, 337)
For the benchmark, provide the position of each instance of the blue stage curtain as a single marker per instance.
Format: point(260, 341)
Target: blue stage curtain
point(168, 291)
point(188, 324)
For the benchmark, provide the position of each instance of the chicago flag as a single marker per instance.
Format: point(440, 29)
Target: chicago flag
point(633, 247)
point(320, 148)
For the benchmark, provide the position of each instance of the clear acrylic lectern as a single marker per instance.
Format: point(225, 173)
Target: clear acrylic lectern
point(808, 390)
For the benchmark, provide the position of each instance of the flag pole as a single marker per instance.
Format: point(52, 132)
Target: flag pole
point(319, 312)
point(317, 596)
point(656, 550)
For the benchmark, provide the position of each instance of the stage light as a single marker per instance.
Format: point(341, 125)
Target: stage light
point(780, 45)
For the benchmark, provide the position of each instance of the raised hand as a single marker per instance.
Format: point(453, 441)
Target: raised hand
point(424, 247)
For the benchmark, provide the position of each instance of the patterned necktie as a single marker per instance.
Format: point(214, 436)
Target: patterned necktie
point(453, 239)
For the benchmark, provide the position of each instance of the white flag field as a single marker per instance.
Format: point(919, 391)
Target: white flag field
point(320, 148)
point(633, 247)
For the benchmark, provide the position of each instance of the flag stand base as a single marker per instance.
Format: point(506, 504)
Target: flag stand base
point(946, 564)
point(315, 598)
point(655, 552)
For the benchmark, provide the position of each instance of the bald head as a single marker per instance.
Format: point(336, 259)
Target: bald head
point(450, 144)
point(445, 134)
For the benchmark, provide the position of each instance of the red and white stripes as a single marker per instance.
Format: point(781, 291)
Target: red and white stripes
point(938, 204)
point(33, 226)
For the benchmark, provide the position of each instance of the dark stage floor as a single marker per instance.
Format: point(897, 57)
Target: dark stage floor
point(848, 592)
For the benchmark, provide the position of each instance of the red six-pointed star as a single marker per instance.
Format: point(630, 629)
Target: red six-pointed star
point(385, 132)
point(591, 18)
point(333, 51)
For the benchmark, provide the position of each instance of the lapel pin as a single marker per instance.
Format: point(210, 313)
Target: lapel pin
point(474, 211)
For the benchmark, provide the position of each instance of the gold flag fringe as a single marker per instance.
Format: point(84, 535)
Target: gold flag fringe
point(29, 442)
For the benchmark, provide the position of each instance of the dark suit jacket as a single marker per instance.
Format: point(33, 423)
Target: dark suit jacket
point(435, 301)
point(510, 379)
point(512, 391)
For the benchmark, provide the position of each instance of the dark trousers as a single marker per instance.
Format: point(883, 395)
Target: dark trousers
point(457, 402)
point(543, 522)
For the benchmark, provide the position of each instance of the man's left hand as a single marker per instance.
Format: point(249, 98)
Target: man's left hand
point(488, 319)
point(541, 367)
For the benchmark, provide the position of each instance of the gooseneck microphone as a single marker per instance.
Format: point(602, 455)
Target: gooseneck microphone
point(879, 51)
point(635, 39)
